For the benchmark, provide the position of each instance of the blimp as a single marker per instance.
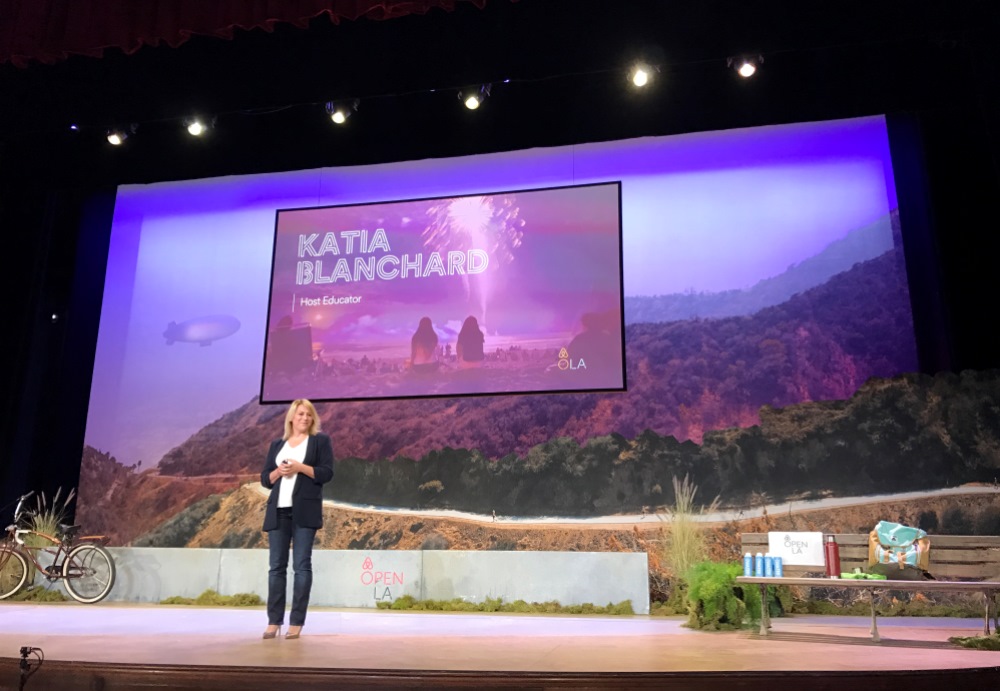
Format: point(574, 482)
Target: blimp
point(202, 330)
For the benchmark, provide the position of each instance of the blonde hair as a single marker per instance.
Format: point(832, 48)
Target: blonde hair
point(290, 415)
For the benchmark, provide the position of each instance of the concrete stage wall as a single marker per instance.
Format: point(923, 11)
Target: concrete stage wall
point(348, 578)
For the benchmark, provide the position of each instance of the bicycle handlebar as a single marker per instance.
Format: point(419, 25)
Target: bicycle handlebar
point(20, 502)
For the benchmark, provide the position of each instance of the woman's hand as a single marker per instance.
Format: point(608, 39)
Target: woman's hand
point(288, 468)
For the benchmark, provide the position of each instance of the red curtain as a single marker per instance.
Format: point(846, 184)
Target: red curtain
point(50, 30)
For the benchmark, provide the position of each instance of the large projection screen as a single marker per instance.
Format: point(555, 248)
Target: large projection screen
point(506, 292)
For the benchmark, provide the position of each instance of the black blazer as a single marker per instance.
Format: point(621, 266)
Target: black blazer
point(307, 498)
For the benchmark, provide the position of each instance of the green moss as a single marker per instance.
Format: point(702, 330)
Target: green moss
point(210, 598)
point(855, 609)
point(978, 642)
point(492, 604)
point(665, 609)
point(519, 606)
point(38, 593)
point(892, 608)
point(408, 602)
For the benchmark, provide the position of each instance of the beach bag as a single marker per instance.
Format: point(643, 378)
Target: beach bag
point(899, 545)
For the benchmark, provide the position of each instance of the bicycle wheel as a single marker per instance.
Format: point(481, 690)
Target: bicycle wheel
point(89, 573)
point(13, 572)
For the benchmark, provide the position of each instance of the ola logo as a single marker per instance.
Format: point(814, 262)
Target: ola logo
point(563, 359)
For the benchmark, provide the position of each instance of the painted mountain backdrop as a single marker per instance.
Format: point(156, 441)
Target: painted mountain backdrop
point(684, 378)
point(859, 245)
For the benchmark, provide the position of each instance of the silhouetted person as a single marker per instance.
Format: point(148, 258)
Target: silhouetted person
point(469, 348)
point(423, 347)
point(595, 345)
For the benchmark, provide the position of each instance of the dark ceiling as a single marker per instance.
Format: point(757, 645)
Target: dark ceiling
point(565, 59)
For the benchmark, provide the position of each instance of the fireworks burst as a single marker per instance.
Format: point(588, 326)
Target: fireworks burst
point(489, 223)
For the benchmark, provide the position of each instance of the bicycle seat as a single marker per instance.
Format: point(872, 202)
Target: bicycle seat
point(69, 531)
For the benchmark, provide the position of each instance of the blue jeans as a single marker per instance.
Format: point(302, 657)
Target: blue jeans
point(301, 540)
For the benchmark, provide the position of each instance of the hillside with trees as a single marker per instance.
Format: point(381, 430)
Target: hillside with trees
point(684, 379)
point(912, 432)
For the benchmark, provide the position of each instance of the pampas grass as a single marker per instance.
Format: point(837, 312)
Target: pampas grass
point(684, 538)
point(47, 516)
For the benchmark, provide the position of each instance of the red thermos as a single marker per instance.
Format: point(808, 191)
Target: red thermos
point(832, 552)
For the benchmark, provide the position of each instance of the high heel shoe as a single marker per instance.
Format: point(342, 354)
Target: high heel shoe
point(293, 632)
point(270, 632)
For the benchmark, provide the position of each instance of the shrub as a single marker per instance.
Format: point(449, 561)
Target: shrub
point(779, 600)
point(712, 597)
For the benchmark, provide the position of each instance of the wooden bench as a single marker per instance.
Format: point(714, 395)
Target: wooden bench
point(958, 563)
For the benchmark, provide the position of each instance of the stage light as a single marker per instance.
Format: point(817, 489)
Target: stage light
point(197, 127)
point(118, 135)
point(474, 96)
point(747, 66)
point(641, 74)
point(339, 111)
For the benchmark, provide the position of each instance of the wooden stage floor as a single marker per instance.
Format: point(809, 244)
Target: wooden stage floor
point(117, 646)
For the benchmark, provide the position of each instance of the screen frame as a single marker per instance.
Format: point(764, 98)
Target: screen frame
point(588, 390)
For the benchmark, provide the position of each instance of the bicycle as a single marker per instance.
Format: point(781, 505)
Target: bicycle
point(86, 568)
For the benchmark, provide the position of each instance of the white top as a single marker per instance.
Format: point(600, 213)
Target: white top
point(287, 486)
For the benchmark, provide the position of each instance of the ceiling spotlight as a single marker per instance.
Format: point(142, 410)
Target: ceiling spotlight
point(118, 135)
point(641, 74)
point(474, 96)
point(746, 67)
point(197, 126)
point(339, 111)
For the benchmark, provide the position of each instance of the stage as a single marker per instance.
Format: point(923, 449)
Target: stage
point(119, 646)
